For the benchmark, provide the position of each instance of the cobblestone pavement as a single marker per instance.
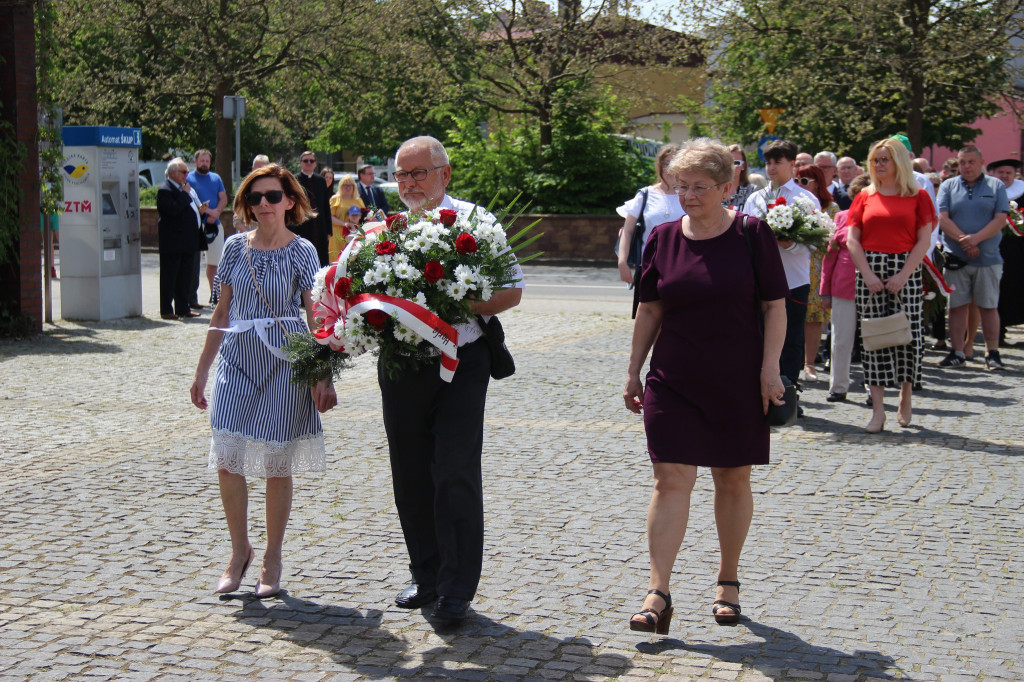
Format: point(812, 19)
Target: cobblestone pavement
point(871, 557)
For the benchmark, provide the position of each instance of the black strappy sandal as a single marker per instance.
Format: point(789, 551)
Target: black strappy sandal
point(726, 618)
point(654, 621)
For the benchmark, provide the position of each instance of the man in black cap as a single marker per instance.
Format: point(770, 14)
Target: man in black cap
point(1011, 286)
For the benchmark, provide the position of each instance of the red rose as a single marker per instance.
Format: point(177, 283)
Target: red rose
point(343, 287)
point(386, 248)
point(395, 222)
point(448, 217)
point(465, 243)
point(433, 271)
point(376, 318)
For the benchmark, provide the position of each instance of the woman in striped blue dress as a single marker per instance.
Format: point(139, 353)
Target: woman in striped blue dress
point(263, 425)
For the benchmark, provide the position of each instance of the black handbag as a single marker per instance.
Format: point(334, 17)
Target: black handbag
point(636, 246)
point(210, 231)
point(502, 363)
point(784, 414)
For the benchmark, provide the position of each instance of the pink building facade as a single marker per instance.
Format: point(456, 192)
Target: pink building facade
point(1002, 137)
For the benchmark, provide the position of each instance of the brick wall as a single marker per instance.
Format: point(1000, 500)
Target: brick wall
point(18, 96)
point(566, 237)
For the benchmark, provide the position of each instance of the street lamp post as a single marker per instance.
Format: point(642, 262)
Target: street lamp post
point(234, 107)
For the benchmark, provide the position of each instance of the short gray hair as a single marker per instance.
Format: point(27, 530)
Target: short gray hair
point(438, 154)
point(173, 164)
point(705, 156)
point(826, 155)
point(261, 157)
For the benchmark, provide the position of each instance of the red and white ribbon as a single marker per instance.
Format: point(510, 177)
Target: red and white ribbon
point(946, 288)
point(332, 310)
point(421, 321)
point(1013, 226)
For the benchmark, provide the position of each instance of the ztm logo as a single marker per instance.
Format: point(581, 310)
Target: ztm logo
point(78, 207)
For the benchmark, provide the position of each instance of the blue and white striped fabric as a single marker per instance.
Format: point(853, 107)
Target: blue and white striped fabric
point(263, 425)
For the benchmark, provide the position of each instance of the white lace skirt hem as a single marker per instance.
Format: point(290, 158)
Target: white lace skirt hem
point(239, 454)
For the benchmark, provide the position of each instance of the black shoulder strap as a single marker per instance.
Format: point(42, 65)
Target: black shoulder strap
point(640, 222)
point(753, 261)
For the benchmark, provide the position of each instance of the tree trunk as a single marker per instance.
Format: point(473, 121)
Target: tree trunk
point(225, 152)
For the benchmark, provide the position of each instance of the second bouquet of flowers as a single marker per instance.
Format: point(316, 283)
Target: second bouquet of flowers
point(401, 287)
point(799, 222)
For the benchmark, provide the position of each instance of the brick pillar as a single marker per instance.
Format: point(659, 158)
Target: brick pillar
point(18, 98)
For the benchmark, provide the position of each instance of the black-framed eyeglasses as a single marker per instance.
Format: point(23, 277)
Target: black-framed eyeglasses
point(805, 181)
point(417, 174)
point(698, 190)
point(274, 196)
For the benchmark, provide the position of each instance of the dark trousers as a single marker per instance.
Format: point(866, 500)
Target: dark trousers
point(792, 359)
point(193, 292)
point(435, 437)
point(175, 283)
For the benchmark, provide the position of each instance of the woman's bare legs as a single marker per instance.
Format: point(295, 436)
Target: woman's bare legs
point(279, 507)
point(812, 341)
point(667, 516)
point(235, 498)
point(734, 508)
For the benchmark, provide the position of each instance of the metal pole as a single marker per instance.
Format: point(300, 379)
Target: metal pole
point(238, 146)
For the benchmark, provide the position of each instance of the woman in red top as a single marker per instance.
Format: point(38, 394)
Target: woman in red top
point(890, 225)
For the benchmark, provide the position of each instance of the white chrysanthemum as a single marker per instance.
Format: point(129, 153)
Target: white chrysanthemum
point(420, 242)
point(319, 283)
point(803, 203)
point(780, 217)
point(371, 239)
point(1013, 205)
point(381, 272)
point(405, 270)
point(469, 276)
point(457, 290)
point(392, 290)
point(420, 299)
point(486, 292)
point(404, 334)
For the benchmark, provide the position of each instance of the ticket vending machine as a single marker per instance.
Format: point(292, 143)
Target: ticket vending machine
point(100, 235)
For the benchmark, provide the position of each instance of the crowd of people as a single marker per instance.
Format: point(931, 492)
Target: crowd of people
point(714, 280)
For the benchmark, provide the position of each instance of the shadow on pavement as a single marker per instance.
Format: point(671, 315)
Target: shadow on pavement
point(781, 649)
point(357, 641)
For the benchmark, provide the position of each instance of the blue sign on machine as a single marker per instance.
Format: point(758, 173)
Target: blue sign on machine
point(101, 136)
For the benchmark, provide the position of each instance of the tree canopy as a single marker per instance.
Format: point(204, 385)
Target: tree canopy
point(849, 73)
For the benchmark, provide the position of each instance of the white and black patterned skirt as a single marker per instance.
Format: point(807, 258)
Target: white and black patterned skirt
point(892, 366)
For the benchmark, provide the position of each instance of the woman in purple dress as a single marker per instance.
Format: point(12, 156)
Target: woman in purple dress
point(699, 289)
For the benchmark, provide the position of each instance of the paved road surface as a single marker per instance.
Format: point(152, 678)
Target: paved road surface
point(894, 556)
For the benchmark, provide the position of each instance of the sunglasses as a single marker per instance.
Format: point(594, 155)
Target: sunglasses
point(308, 160)
point(274, 196)
point(805, 181)
point(737, 163)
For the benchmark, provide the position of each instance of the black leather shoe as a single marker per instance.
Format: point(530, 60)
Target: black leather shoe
point(415, 596)
point(451, 609)
point(836, 398)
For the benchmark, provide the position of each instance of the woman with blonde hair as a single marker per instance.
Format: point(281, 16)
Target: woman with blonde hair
point(342, 222)
point(890, 226)
point(263, 424)
point(655, 204)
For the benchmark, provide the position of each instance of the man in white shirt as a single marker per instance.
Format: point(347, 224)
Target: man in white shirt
point(780, 165)
point(436, 430)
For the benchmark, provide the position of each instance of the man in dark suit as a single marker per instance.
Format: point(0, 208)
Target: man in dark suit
point(436, 428)
point(847, 170)
point(178, 234)
point(316, 229)
point(371, 194)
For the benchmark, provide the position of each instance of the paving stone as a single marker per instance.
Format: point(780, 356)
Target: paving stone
point(870, 557)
